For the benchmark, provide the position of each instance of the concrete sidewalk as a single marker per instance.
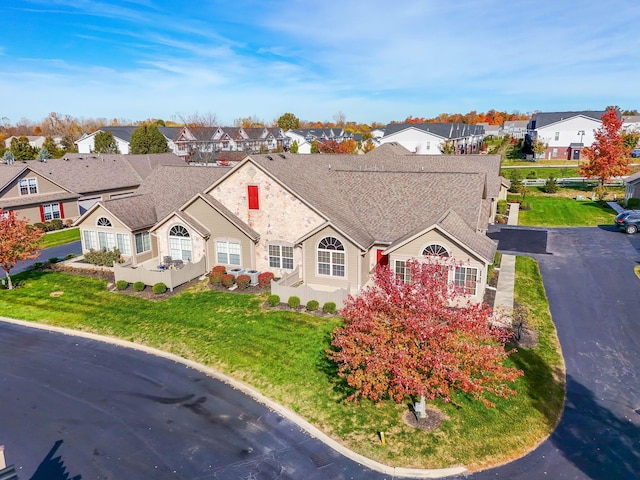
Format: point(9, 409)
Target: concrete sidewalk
point(506, 279)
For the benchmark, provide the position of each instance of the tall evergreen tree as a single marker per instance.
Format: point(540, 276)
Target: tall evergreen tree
point(148, 139)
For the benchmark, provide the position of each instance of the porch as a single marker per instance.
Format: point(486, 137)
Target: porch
point(292, 285)
point(154, 271)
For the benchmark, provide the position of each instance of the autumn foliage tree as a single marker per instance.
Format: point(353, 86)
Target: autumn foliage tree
point(18, 241)
point(407, 339)
point(608, 156)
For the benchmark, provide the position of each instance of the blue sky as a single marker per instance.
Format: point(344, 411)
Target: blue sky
point(370, 60)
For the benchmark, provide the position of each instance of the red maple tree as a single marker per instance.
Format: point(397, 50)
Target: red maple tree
point(18, 241)
point(607, 156)
point(420, 338)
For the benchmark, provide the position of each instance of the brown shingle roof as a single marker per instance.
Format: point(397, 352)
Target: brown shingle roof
point(137, 211)
point(383, 200)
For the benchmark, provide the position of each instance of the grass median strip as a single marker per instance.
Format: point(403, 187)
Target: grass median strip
point(281, 353)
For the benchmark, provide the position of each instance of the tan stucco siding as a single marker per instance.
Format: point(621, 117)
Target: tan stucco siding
point(281, 217)
point(353, 266)
point(221, 228)
point(91, 220)
point(415, 248)
point(44, 186)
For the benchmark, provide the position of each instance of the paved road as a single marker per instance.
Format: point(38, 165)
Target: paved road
point(594, 298)
point(112, 413)
point(61, 251)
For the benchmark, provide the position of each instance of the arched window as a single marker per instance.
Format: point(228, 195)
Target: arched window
point(331, 258)
point(103, 222)
point(435, 250)
point(179, 243)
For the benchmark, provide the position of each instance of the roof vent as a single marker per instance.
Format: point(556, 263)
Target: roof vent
point(269, 157)
point(282, 155)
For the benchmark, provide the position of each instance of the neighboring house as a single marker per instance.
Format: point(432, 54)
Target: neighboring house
point(66, 187)
point(306, 136)
point(36, 141)
point(491, 130)
point(122, 136)
point(515, 128)
point(632, 186)
point(196, 141)
point(429, 138)
point(631, 124)
point(564, 133)
point(326, 224)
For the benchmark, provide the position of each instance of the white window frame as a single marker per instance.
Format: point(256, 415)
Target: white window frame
point(51, 211)
point(143, 242)
point(280, 256)
point(30, 185)
point(444, 251)
point(557, 136)
point(123, 241)
point(90, 240)
point(228, 252)
point(331, 262)
point(106, 240)
point(462, 275)
point(180, 246)
point(401, 271)
point(554, 153)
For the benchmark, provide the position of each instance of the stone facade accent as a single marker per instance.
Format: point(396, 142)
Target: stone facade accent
point(281, 216)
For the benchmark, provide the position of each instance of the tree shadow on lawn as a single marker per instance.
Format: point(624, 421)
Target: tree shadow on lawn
point(330, 369)
point(544, 384)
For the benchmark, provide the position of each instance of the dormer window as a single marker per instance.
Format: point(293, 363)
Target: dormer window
point(28, 186)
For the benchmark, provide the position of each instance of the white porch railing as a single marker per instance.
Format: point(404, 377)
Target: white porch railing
point(286, 287)
point(150, 276)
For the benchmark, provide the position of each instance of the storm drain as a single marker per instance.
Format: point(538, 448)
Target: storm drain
point(320, 459)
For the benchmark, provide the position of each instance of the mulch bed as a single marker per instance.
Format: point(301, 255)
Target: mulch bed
point(432, 421)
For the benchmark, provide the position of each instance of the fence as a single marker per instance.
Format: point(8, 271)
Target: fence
point(576, 181)
point(286, 287)
point(170, 277)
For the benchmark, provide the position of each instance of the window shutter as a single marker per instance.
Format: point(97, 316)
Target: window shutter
point(61, 210)
point(382, 259)
point(41, 213)
point(252, 191)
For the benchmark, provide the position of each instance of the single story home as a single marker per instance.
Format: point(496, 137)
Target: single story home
point(323, 223)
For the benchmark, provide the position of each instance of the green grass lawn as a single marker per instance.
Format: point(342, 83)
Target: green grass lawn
point(282, 354)
point(60, 237)
point(557, 172)
point(557, 211)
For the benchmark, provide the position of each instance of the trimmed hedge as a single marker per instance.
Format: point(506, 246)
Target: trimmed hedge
point(159, 288)
point(329, 307)
point(104, 258)
point(221, 269)
point(633, 203)
point(243, 281)
point(216, 278)
point(138, 286)
point(264, 279)
point(122, 284)
point(228, 280)
point(313, 305)
point(294, 302)
point(273, 300)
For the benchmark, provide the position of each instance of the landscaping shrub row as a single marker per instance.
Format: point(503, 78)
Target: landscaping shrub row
point(52, 225)
point(219, 276)
point(159, 288)
point(294, 302)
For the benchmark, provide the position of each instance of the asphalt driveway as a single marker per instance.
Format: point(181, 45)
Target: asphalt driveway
point(594, 298)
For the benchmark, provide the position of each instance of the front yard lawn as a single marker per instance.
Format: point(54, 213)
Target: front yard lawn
point(282, 354)
point(60, 237)
point(559, 211)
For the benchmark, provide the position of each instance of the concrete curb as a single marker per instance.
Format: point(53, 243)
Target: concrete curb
point(247, 390)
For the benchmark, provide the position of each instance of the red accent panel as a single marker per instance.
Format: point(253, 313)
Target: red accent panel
point(254, 203)
point(381, 259)
point(61, 210)
point(41, 213)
